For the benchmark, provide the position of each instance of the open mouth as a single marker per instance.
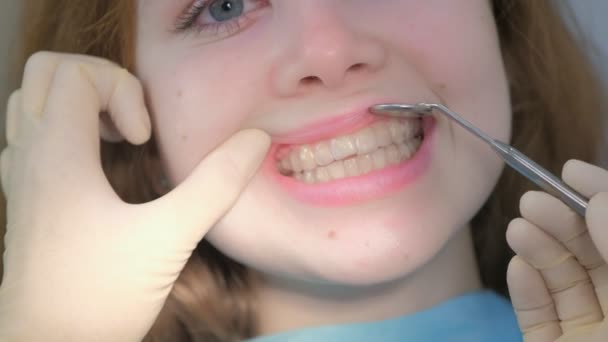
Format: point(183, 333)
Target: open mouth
point(382, 144)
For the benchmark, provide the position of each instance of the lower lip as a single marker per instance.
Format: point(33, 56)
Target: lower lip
point(348, 191)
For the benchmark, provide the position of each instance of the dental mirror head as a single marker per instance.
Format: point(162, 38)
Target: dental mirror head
point(402, 110)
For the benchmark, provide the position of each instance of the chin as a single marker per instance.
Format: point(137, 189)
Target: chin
point(370, 244)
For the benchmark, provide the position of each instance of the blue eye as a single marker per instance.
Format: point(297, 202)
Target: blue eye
point(221, 17)
point(222, 10)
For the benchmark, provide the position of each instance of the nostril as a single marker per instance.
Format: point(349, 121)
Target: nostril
point(310, 80)
point(331, 79)
point(357, 67)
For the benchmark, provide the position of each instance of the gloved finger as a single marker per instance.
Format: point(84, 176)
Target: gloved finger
point(13, 109)
point(562, 223)
point(19, 127)
point(37, 79)
point(5, 157)
point(78, 93)
point(592, 181)
point(597, 223)
point(532, 302)
point(194, 206)
point(39, 73)
point(566, 280)
point(585, 178)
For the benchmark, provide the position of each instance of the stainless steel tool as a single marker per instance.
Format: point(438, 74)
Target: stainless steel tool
point(515, 159)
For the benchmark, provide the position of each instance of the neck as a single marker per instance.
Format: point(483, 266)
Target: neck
point(285, 306)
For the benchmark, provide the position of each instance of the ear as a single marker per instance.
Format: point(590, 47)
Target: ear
point(107, 129)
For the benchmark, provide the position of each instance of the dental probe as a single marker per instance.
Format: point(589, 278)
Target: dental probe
point(517, 160)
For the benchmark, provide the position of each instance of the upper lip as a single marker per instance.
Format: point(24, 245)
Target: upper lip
point(331, 126)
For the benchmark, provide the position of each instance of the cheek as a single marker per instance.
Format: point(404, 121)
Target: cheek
point(194, 106)
point(453, 46)
point(460, 52)
point(465, 66)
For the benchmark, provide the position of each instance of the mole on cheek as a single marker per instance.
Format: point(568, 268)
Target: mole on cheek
point(180, 93)
point(180, 131)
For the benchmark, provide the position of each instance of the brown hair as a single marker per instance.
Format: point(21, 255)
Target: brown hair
point(556, 107)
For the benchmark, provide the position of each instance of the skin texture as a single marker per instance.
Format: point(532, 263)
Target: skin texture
point(304, 53)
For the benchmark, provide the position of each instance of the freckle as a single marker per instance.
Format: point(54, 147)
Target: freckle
point(332, 234)
point(180, 93)
point(180, 131)
point(442, 86)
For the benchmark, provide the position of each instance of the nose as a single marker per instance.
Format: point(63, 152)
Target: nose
point(320, 50)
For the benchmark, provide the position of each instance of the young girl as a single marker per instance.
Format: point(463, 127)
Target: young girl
point(246, 191)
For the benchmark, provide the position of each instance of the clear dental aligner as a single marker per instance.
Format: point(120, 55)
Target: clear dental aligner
point(384, 143)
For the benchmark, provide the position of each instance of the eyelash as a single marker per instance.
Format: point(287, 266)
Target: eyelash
point(187, 21)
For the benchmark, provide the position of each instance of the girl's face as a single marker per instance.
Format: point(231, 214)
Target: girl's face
point(343, 197)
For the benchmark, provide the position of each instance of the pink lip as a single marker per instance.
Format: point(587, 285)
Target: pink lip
point(329, 128)
point(352, 190)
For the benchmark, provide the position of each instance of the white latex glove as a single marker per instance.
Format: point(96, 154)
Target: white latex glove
point(559, 279)
point(80, 264)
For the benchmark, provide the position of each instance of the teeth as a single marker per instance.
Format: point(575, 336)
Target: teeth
point(379, 159)
point(342, 147)
point(309, 177)
point(323, 154)
point(336, 170)
point(360, 165)
point(397, 133)
point(392, 155)
point(413, 129)
point(366, 164)
point(322, 175)
point(366, 141)
point(407, 150)
point(294, 160)
point(351, 167)
point(307, 158)
point(380, 131)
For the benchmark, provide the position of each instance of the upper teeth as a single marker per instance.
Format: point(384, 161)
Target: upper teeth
point(380, 134)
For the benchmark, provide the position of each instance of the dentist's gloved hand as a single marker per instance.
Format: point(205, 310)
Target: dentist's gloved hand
point(80, 264)
point(559, 279)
